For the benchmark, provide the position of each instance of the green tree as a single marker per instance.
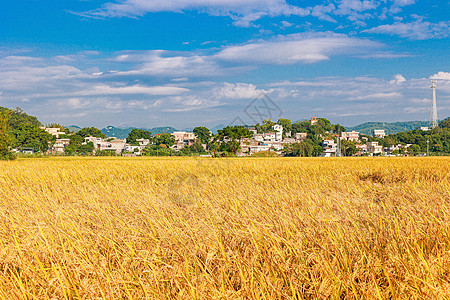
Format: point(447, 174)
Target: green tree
point(286, 123)
point(203, 134)
point(5, 139)
point(136, 134)
point(230, 138)
point(303, 149)
point(18, 117)
point(337, 128)
point(445, 123)
point(86, 149)
point(348, 148)
point(164, 139)
point(414, 149)
point(30, 136)
point(159, 150)
point(90, 131)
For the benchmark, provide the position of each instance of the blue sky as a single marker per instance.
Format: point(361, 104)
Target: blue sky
point(181, 63)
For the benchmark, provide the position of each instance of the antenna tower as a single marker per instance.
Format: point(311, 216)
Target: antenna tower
point(434, 118)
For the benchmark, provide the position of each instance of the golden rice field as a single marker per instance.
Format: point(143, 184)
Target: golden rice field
point(243, 228)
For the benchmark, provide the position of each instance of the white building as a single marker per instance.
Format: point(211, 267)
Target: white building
point(259, 137)
point(278, 131)
point(350, 136)
point(379, 133)
point(111, 144)
point(183, 139)
point(300, 136)
point(314, 120)
point(143, 142)
point(329, 148)
point(55, 131)
point(60, 145)
point(374, 148)
point(133, 149)
point(270, 136)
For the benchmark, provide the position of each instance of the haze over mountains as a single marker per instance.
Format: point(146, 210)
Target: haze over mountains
point(365, 128)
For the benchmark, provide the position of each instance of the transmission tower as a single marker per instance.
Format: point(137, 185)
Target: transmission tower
point(434, 118)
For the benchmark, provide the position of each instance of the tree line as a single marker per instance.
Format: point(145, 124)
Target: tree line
point(20, 130)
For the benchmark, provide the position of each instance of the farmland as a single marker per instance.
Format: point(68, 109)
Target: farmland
point(251, 228)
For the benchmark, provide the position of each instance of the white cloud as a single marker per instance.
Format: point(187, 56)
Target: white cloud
point(286, 24)
point(441, 76)
point(297, 48)
point(346, 7)
point(376, 96)
point(237, 91)
point(162, 63)
point(243, 12)
point(416, 30)
point(322, 11)
point(404, 2)
point(355, 10)
point(398, 78)
point(234, 59)
point(105, 89)
point(187, 103)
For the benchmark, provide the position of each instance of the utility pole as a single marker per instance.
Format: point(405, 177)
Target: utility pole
point(338, 149)
point(434, 118)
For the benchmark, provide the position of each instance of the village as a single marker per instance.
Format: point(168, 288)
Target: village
point(276, 140)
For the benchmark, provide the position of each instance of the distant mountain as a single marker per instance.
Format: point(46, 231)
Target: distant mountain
point(73, 128)
point(218, 127)
point(390, 128)
point(159, 130)
point(122, 133)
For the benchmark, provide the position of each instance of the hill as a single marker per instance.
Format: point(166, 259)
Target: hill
point(390, 128)
point(73, 128)
point(121, 133)
point(19, 117)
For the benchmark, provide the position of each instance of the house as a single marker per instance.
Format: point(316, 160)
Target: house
point(278, 131)
point(111, 144)
point(379, 133)
point(258, 137)
point(289, 140)
point(143, 142)
point(259, 148)
point(374, 148)
point(300, 136)
point(313, 120)
point(27, 151)
point(116, 145)
point(129, 154)
point(60, 145)
point(270, 136)
point(423, 128)
point(362, 148)
point(275, 145)
point(329, 148)
point(183, 139)
point(137, 150)
point(55, 131)
point(350, 136)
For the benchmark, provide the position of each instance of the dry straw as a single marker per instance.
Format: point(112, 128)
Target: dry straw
point(254, 228)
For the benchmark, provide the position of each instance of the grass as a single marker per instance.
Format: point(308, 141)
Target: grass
point(241, 228)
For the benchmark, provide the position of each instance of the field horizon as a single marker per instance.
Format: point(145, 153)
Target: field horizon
point(228, 228)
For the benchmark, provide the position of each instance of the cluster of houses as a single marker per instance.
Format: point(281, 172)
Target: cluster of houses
point(276, 141)
point(119, 146)
point(364, 147)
